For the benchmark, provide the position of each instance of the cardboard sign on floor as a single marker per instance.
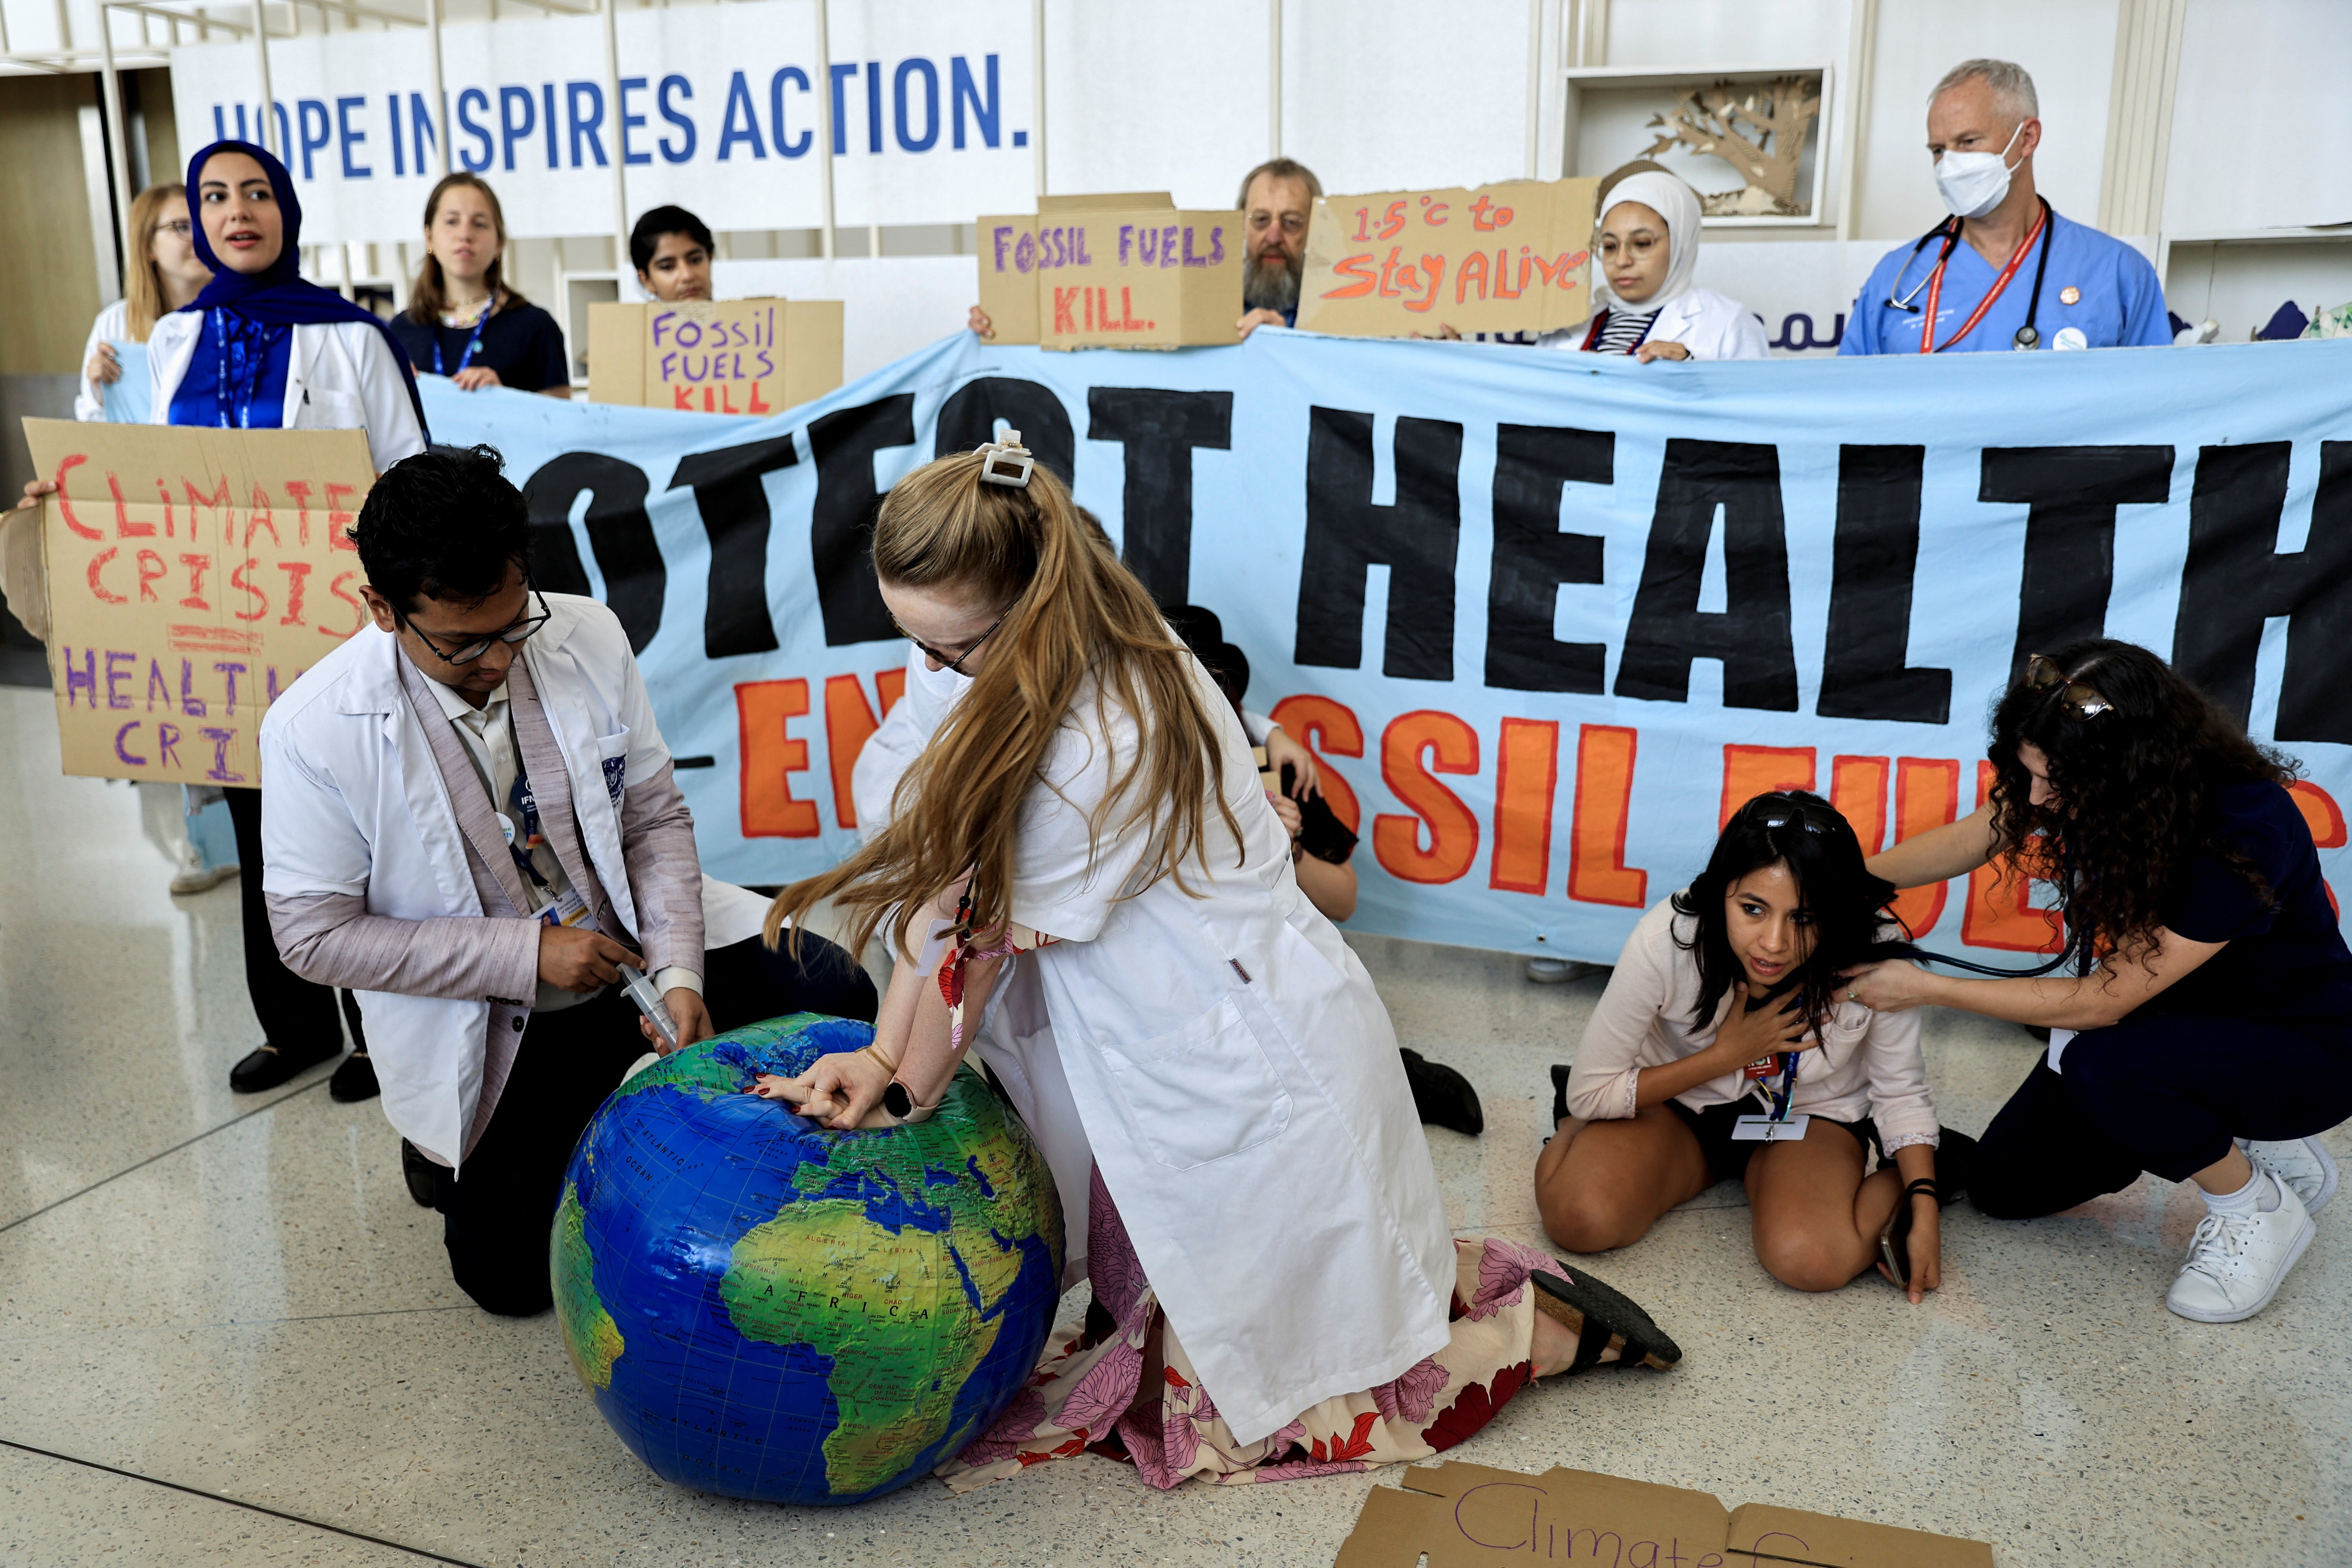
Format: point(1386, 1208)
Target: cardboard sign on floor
point(1112, 271)
point(192, 573)
point(722, 356)
point(1464, 1516)
point(1513, 257)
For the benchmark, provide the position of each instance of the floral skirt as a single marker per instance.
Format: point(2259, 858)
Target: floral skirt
point(1082, 1396)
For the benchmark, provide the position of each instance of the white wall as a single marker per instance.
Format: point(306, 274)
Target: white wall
point(2069, 45)
point(2258, 138)
point(1155, 97)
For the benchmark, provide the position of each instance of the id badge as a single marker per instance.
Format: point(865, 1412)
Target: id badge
point(1764, 1130)
point(568, 910)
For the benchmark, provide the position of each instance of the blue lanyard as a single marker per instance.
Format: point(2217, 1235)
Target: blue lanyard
point(473, 344)
point(1781, 1098)
point(245, 347)
point(526, 808)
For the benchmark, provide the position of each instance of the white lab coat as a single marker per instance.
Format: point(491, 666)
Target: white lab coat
point(341, 375)
point(358, 806)
point(1226, 1062)
point(1702, 321)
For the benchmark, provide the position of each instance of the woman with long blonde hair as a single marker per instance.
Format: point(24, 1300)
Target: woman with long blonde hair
point(1082, 870)
point(165, 274)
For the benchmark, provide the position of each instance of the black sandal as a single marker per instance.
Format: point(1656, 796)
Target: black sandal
point(1603, 1319)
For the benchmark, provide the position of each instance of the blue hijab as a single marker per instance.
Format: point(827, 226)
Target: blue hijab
point(277, 296)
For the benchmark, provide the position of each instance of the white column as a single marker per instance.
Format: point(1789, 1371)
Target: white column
point(2139, 115)
point(261, 64)
point(440, 94)
point(824, 117)
point(118, 136)
point(620, 163)
point(1037, 90)
point(1273, 79)
point(1861, 52)
point(1535, 89)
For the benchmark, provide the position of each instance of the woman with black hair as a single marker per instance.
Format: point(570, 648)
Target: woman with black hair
point(1722, 1048)
point(2205, 1032)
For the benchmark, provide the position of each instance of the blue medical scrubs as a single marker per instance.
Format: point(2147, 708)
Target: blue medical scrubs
point(2120, 302)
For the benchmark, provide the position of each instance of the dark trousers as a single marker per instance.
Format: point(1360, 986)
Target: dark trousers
point(296, 1014)
point(495, 1218)
point(2160, 1094)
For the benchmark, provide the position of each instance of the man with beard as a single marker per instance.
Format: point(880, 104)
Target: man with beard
point(1277, 197)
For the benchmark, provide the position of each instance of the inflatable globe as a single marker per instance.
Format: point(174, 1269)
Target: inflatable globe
point(769, 1310)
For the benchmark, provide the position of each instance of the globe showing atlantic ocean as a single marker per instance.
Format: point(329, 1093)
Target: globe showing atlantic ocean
point(769, 1310)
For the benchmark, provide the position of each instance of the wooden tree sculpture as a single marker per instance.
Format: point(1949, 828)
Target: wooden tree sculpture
point(1776, 114)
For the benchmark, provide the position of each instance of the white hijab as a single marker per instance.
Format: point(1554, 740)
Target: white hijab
point(1678, 204)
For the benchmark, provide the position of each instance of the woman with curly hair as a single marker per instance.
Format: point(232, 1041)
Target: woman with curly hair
point(1723, 1049)
point(1082, 876)
point(2205, 1032)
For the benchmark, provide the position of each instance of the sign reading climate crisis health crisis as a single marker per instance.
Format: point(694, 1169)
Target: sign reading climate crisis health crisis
point(1513, 257)
point(193, 575)
point(1112, 271)
point(728, 356)
point(1548, 619)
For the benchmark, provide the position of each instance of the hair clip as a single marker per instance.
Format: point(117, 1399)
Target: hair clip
point(1006, 462)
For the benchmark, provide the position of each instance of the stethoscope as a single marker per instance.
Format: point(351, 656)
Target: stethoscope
point(1949, 229)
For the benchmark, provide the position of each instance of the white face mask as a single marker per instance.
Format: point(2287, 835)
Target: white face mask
point(1973, 184)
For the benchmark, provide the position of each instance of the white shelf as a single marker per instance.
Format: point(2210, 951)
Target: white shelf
point(1578, 81)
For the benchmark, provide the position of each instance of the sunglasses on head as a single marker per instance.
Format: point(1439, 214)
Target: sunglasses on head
point(1786, 811)
point(2077, 700)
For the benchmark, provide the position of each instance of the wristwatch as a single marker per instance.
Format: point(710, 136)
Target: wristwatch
point(900, 1101)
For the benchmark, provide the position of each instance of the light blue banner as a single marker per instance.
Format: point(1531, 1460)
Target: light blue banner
point(1545, 615)
point(132, 393)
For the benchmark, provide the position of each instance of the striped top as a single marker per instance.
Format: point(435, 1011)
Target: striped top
point(1621, 331)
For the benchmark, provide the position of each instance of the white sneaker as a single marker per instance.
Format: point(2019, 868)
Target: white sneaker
point(2302, 1164)
point(201, 878)
point(2237, 1261)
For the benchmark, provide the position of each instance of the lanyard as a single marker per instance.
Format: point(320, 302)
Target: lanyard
point(2026, 335)
point(1786, 1093)
point(1600, 325)
point(473, 344)
point(526, 809)
point(243, 354)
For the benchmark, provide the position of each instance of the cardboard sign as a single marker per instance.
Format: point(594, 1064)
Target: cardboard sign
point(1112, 271)
point(715, 356)
point(1463, 1516)
point(192, 573)
point(1511, 258)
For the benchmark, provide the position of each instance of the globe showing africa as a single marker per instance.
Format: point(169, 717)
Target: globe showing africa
point(772, 1310)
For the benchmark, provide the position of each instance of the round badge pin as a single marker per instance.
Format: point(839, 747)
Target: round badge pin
point(2069, 338)
point(2070, 295)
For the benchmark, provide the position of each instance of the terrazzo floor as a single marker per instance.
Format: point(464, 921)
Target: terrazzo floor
point(226, 1336)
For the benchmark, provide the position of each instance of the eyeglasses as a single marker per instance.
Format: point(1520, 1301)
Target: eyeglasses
point(2077, 701)
point(474, 650)
point(178, 226)
point(956, 663)
point(1784, 811)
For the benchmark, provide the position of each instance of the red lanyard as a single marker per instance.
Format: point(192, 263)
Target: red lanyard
point(1935, 288)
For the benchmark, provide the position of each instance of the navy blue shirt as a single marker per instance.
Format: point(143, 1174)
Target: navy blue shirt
point(197, 399)
point(2286, 957)
point(520, 341)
